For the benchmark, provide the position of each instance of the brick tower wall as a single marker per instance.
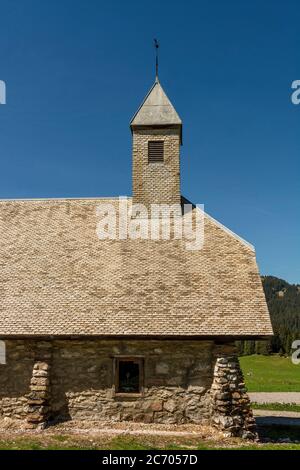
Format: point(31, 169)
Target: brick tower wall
point(156, 183)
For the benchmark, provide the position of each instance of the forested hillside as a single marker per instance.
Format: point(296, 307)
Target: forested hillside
point(283, 300)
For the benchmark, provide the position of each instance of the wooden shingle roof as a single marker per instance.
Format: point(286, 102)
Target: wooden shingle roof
point(57, 278)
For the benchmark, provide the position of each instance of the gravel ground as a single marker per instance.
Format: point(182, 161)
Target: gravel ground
point(107, 435)
point(121, 428)
point(275, 397)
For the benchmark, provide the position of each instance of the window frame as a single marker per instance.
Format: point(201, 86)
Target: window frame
point(116, 362)
point(151, 162)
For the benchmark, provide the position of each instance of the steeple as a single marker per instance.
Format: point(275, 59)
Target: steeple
point(157, 136)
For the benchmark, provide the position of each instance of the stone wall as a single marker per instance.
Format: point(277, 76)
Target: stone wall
point(177, 376)
point(184, 381)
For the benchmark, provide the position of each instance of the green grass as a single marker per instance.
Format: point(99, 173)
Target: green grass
point(270, 374)
point(276, 406)
point(128, 443)
point(123, 443)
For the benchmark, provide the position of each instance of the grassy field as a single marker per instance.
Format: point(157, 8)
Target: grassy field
point(61, 442)
point(270, 374)
point(276, 407)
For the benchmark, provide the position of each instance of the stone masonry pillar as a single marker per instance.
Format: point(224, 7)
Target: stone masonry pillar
point(39, 395)
point(230, 404)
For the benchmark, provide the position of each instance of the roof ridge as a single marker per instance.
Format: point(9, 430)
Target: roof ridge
point(95, 198)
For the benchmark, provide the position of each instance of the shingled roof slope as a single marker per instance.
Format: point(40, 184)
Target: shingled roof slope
point(58, 278)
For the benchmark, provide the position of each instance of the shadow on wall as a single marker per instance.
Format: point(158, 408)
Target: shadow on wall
point(15, 373)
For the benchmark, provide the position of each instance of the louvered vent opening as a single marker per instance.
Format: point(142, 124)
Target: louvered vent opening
point(155, 151)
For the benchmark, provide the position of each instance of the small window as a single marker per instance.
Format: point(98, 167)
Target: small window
point(155, 151)
point(2, 353)
point(128, 375)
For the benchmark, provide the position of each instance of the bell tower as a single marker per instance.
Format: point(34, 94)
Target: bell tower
point(157, 136)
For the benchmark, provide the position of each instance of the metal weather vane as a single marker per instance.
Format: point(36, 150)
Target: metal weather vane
point(156, 45)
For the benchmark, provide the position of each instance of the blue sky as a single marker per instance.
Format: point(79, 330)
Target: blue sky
point(77, 70)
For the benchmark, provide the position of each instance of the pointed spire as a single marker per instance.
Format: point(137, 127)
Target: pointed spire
point(156, 109)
